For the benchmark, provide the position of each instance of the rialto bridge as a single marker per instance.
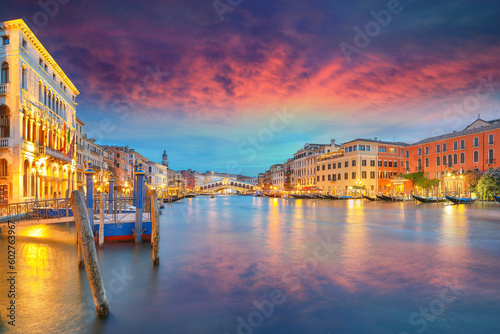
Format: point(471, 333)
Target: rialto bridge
point(226, 184)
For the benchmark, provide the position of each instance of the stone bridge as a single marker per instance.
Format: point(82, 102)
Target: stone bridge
point(226, 184)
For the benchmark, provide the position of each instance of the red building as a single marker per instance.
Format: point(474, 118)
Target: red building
point(448, 156)
point(189, 179)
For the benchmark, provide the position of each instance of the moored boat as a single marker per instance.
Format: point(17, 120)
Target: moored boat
point(172, 199)
point(369, 198)
point(462, 200)
point(430, 199)
point(497, 198)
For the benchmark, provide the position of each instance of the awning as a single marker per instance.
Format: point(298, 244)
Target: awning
point(310, 188)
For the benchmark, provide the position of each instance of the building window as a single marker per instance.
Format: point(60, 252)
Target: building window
point(45, 67)
point(419, 164)
point(427, 162)
point(427, 150)
point(368, 148)
point(455, 159)
point(329, 177)
point(419, 151)
point(323, 167)
point(476, 141)
point(476, 156)
point(380, 163)
point(382, 149)
point(329, 166)
point(491, 140)
point(444, 147)
point(318, 178)
point(354, 163)
point(24, 78)
point(5, 73)
point(407, 166)
point(385, 163)
point(438, 161)
point(462, 158)
point(438, 148)
point(334, 166)
point(339, 165)
point(438, 175)
point(353, 175)
point(491, 155)
point(3, 168)
point(395, 164)
point(450, 161)
point(346, 176)
point(25, 44)
point(363, 174)
point(372, 163)
point(40, 92)
point(4, 121)
point(40, 62)
point(444, 160)
point(407, 153)
point(346, 164)
point(323, 177)
point(334, 177)
point(372, 175)
point(363, 162)
point(317, 168)
point(5, 40)
point(339, 176)
point(455, 145)
point(390, 163)
point(392, 150)
point(462, 144)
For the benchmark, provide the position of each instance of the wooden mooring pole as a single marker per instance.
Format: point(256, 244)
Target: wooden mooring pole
point(101, 219)
point(155, 229)
point(86, 238)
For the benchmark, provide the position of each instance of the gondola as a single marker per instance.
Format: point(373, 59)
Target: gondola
point(173, 199)
point(319, 196)
point(497, 198)
point(394, 199)
point(190, 196)
point(430, 199)
point(462, 200)
point(369, 198)
point(344, 197)
point(383, 198)
point(330, 197)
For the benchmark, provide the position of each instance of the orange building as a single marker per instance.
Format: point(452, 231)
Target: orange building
point(448, 157)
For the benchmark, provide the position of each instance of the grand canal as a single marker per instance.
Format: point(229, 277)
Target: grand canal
point(259, 265)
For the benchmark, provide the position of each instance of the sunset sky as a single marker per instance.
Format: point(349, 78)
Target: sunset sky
point(172, 75)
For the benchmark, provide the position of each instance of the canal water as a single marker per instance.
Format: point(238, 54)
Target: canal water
point(258, 265)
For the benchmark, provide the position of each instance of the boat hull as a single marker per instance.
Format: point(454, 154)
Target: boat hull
point(429, 199)
point(461, 200)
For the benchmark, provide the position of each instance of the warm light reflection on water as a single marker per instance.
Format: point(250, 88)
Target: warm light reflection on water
point(220, 255)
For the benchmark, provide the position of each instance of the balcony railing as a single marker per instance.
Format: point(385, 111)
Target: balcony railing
point(46, 150)
point(490, 161)
point(5, 89)
point(30, 147)
point(4, 142)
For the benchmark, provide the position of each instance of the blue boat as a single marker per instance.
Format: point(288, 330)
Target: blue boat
point(497, 198)
point(462, 200)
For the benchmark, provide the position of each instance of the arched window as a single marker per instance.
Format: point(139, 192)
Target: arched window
point(438, 161)
point(455, 159)
point(426, 162)
point(40, 92)
point(24, 83)
point(476, 156)
point(419, 164)
point(26, 171)
point(462, 158)
point(5, 73)
point(50, 99)
point(444, 160)
point(3, 168)
point(45, 95)
point(491, 154)
point(4, 121)
point(450, 162)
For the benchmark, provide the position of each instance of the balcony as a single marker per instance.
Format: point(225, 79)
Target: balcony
point(49, 151)
point(5, 89)
point(490, 162)
point(30, 147)
point(5, 142)
point(80, 147)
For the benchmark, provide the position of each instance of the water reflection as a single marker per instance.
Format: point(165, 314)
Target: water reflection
point(220, 255)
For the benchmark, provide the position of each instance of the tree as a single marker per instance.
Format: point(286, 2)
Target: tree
point(489, 183)
point(420, 181)
point(472, 179)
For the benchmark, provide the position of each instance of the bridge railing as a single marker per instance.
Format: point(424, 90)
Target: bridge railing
point(35, 210)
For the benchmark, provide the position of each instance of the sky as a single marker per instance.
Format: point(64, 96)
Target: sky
point(238, 85)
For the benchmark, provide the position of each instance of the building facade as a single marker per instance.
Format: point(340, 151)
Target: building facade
point(37, 119)
point(448, 157)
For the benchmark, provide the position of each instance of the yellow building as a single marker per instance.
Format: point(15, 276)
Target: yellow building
point(37, 119)
point(349, 171)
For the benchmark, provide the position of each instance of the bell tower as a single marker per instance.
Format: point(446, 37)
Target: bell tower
point(164, 160)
